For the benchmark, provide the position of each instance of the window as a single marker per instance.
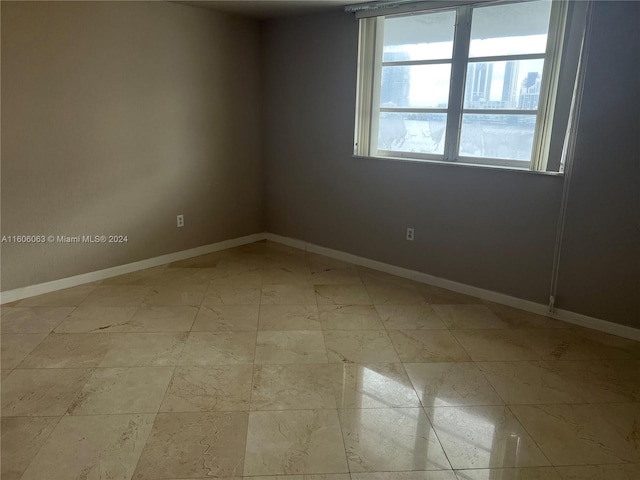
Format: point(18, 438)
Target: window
point(487, 84)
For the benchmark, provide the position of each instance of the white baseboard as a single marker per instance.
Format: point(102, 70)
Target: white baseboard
point(597, 324)
point(290, 242)
point(564, 315)
point(39, 289)
point(533, 307)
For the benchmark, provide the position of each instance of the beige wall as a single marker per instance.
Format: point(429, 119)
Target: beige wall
point(118, 116)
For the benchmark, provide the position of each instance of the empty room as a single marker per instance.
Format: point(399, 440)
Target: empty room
point(320, 240)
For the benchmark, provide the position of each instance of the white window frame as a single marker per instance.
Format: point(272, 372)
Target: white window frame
point(558, 80)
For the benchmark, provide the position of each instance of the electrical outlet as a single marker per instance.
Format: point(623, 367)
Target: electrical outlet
point(180, 220)
point(410, 234)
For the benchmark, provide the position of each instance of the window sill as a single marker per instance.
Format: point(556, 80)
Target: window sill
point(460, 164)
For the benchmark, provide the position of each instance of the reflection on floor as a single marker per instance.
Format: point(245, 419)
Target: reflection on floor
point(267, 362)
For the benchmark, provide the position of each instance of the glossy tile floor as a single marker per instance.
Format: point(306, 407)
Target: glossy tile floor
point(266, 362)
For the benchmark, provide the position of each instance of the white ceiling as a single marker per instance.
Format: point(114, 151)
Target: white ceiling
point(270, 8)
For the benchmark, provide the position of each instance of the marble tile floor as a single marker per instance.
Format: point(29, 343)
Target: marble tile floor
point(265, 362)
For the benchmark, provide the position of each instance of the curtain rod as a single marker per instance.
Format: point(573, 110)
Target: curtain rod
point(358, 7)
point(373, 8)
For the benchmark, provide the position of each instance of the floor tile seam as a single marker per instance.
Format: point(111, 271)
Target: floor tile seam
point(612, 464)
point(572, 404)
point(113, 333)
point(376, 305)
point(166, 390)
point(253, 363)
point(79, 391)
point(25, 417)
point(43, 443)
point(284, 304)
point(506, 329)
point(583, 404)
point(435, 432)
point(119, 414)
point(468, 350)
point(6, 334)
point(324, 340)
point(490, 383)
point(551, 364)
point(193, 321)
point(73, 309)
point(76, 393)
point(504, 468)
point(342, 436)
point(144, 446)
point(246, 440)
point(597, 359)
point(404, 369)
point(553, 361)
point(555, 469)
point(207, 365)
point(91, 367)
point(155, 414)
point(468, 443)
point(465, 405)
point(460, 345)
point(550, 467)
point(122, 305)
point(300, 409)
point(405, 471)
point(101, 367)
point(253, 383)
point(32, 350)
point(222, 332)
point(526, 361)
point(536, 443)
point(249, 410)
point(92, 332)
point(554, 404)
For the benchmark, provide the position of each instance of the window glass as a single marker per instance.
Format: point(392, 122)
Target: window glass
point(412, 132)
point(497, 136)
point(512, 84)
point(511, 29)
point(419, 37)
point(416, 86)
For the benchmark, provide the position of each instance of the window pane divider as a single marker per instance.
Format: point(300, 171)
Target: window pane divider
point(411, 63)
point(461, 39)
point(498, 111)
point(499, 162)
point(507, 58)
point(413, 110)
point(410, 155)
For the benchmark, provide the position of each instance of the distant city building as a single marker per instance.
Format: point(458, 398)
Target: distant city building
point(478, 88)
point(395, 81)
point(510, 85)
point(530, 92)
point(478, 84)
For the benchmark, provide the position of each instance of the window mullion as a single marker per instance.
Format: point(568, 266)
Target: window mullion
point(376, 86)
point(459, 65)
point(364, 94)
point(548, 91)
